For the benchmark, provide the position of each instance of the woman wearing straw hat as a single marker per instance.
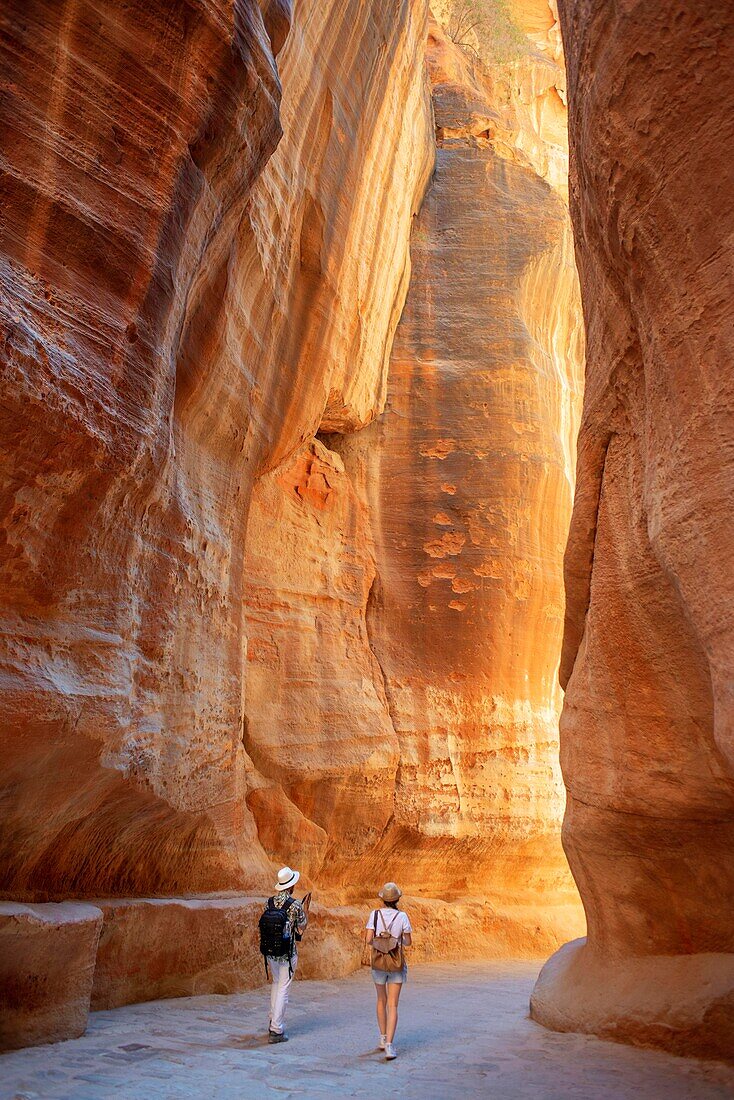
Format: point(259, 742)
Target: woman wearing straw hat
point(389, 921)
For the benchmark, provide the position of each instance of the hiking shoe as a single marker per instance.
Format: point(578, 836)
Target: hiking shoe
point(277, 1037)
point(390, 1052)
point(383, 1042)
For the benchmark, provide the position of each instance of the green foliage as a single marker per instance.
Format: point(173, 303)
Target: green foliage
point(485, 29)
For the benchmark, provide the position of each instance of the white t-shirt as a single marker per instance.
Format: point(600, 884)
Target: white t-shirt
point(396, 921)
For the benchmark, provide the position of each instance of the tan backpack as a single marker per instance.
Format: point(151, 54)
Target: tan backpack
point(387, 950)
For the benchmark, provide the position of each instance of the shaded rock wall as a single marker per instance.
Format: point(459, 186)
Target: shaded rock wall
point(47, 960)
point(647, 748)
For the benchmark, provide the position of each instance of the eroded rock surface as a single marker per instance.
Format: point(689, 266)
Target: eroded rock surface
point(468, 476)
point(401, 700)
point(245, 619)
point(151, 948)
point(647, 748)
point(132, 136)
point(175, 322)
point(318, 726)
point(47, 958)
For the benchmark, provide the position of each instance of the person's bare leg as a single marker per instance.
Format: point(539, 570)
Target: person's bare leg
point(393, 996)
point(381, 1008)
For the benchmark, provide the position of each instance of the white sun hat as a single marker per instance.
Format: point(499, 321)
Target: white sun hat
point(286, 878)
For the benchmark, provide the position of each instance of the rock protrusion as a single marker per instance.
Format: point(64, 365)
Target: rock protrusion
point(47, 959)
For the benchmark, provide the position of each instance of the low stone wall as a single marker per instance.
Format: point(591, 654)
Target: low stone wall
point(47, 956)
point(153, 948)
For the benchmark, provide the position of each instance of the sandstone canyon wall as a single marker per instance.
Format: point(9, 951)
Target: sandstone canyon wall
point(279, 583)
point(172, 327)
point(401, 698)
point(132, 135)
point(647, 748)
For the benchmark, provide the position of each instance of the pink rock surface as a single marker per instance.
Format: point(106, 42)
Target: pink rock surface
point(47, 955)
point(647, 748)
point(132, 135)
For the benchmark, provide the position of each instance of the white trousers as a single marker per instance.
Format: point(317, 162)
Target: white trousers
point(279, 992)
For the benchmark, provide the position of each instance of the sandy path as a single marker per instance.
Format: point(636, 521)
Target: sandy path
point(464, 1033)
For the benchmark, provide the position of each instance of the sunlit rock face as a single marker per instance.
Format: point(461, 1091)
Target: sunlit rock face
point(468, 478)
point(647, 747)
point(280, 590)
point(324, 290)
point(178, 319)
point(133, 134)
point(318, 726)
point(321, 289)
point(404, 590)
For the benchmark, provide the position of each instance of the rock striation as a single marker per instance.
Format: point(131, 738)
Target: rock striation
point(647, 748)
point(175, 322)
point(468, 481)
point(401, 698)
point(280, 578)
point(132, 136)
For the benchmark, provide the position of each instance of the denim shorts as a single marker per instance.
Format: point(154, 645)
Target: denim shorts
point(394, 977)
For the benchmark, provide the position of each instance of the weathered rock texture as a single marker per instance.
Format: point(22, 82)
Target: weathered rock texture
point(170, 331)
point(647, 747)
point(469, 477)
point(47, 955)
point(151, 948)
point(245, 620)
point(132, 135)
point(404, 591)
point(350, 171)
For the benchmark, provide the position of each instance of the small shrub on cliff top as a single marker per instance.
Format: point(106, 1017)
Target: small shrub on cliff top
point(485, 29)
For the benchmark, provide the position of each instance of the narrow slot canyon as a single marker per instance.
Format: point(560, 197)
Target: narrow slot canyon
point(366, 489)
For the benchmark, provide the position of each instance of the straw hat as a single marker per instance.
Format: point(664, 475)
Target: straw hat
point(286, 878)
point(390, 892)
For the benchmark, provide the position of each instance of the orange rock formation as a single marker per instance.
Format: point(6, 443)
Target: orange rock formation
point(171, 331)
point(246, 616)
point(647, 748)
point(404, 598)
point(132, 136)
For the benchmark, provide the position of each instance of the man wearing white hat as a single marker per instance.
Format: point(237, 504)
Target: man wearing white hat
point(281, 925)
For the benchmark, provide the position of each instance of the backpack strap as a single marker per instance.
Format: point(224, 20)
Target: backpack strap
point(388, 928)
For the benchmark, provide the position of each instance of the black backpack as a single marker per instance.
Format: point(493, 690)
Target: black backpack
point(276, 934)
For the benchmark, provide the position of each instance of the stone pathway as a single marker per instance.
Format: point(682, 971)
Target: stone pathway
point(463, 1033)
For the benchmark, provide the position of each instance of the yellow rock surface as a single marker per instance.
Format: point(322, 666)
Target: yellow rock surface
point(404, 590)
